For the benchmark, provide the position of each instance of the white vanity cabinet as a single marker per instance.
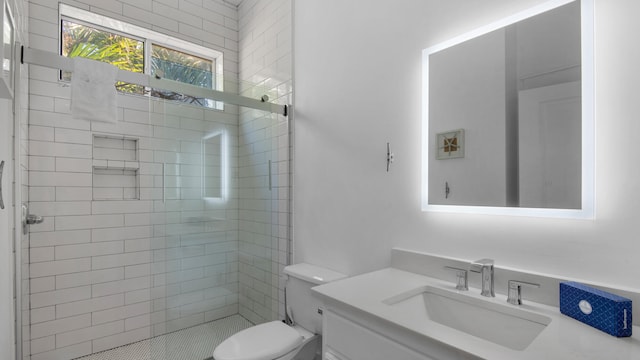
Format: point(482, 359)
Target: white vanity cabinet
point(344, 339)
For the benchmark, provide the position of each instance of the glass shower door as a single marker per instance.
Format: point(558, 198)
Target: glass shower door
point(257, 188)
point(212, 244)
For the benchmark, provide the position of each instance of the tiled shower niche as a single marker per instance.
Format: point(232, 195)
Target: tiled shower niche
point(115, 168)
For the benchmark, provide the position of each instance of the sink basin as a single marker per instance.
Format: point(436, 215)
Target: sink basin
point(502, 324)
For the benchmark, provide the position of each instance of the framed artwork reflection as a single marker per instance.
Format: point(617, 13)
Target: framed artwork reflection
point(450, 144)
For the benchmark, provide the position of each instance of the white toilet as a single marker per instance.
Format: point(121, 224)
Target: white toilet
point(275, 340)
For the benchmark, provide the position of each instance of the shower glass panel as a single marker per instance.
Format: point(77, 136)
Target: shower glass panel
point(157, 226)
point(211, 251)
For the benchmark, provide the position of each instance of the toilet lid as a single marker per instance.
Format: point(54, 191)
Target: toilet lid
point(261, 342)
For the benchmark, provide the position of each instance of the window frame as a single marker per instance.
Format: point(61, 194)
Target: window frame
point(148, 38)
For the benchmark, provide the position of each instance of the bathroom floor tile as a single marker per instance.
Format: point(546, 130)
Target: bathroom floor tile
point(195, 343)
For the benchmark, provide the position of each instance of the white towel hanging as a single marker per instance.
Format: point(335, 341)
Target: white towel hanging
point(93, 92)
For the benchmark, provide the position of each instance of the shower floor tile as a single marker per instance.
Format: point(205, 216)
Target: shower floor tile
point(195, 343)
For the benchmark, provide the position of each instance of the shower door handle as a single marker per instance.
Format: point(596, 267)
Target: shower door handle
point(1, 171)
point(34, 219)
point(270, 177)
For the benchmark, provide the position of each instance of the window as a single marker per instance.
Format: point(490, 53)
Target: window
point(180, 66)
point(92, 43)
point(137, 49)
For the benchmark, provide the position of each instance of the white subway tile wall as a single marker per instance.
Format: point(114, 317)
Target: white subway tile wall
point(111, 272)
point(107, 273)
point(265, 28)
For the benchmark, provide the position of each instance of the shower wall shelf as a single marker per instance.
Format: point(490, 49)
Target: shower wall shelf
point(201, 219)
point(53, 60)
point(116, 164)
point(115, 168)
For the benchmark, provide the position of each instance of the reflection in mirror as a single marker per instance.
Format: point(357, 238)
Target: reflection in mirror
point(7, 54)
point(214, 166)
point(508, 118)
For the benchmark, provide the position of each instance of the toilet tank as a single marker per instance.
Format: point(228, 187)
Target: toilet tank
point(304, 306)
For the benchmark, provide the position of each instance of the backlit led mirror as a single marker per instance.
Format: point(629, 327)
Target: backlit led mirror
point(508, 116)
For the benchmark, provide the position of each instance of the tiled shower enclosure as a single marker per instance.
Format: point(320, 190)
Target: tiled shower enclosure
point(175, 216)
point(149, 222)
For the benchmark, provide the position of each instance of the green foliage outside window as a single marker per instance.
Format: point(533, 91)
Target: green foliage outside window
point(91, 43)
point(179, 66)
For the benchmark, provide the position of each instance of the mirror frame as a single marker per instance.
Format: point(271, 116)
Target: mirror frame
point(588, 118)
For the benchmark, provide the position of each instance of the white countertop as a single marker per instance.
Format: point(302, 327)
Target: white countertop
point(564, 338)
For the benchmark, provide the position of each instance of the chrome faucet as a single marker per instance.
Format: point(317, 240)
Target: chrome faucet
point(485, 268)
point(515, 291)
point(462, 283)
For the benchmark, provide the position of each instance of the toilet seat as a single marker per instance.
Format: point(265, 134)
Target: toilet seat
point(266, 341)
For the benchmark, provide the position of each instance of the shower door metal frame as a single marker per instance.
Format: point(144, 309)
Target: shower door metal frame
point(53, 60)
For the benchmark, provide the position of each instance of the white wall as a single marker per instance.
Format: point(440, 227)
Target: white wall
point(547, 42)
point(358, 86)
